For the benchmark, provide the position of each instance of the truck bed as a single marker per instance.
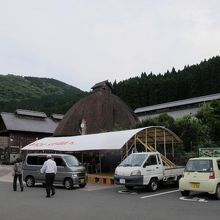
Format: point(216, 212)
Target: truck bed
point(173, 171)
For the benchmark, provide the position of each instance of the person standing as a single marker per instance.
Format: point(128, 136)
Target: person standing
point(50, 169)
point(18, 174)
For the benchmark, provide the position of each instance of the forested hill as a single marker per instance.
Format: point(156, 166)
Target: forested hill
point(33, 93)
point(192, 81)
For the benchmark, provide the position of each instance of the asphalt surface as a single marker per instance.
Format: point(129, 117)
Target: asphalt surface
point(102, 202)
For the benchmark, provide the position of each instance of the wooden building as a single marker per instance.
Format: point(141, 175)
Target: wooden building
point(22, 128)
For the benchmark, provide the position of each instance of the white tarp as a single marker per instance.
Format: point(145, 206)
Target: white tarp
point(102, 141)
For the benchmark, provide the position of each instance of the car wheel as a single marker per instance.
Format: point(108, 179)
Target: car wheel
point(217, 193)
point(68, 183)
point(30, 181)
point(185, 193)
point(153, 185)
point(129, 187)
point(82, 185)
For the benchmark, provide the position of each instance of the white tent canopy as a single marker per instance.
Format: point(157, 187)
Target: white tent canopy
point(101, 141)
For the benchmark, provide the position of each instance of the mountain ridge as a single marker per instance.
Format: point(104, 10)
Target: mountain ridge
point(36, 93)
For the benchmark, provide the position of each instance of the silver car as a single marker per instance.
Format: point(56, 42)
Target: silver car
point(69, 171)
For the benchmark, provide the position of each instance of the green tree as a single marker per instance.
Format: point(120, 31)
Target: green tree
point(192, 81)
point(209, 115)
point(162, 120)
point(189, 129)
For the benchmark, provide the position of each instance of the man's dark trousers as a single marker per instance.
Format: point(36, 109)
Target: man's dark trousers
point(49, 183)
point(19, 176)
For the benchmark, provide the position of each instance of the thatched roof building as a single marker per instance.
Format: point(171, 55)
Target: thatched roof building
point(100, 111)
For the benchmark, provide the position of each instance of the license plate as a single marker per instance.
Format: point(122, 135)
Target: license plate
point(82, 180)
point(194, 185)
point(122, 181)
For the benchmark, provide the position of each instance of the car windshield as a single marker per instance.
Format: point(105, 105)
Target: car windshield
point(199, 166)
point(71, 161)
point(133, 160)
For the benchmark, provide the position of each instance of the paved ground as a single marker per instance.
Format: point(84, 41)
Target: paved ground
point(5, 173)
point(102, 202)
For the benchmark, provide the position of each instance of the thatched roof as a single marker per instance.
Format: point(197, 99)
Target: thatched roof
point(100, 111)
point(102, 85)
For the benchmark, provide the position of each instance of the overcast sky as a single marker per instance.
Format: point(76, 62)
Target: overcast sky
point(82, 42)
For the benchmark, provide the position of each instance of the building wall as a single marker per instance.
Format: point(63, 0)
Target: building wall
point(173, 113)
point(11, 145)
point(3, 142)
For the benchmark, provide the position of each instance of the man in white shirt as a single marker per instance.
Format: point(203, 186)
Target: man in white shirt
point(50, 169)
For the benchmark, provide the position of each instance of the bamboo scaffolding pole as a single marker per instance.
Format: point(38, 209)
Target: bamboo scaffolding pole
point(166, 161)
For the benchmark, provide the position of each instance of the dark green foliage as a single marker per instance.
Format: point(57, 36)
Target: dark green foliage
point(189, 129)
point(210, 116)
point(40, 94)
point(193, 81)
point(161, 120)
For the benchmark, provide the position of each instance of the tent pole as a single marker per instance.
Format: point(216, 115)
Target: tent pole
point(82, 157)
point(146, 138)
point(100, 162)
point(164, 143)
point(155, 139)
point(135, 143)
point(172, 147)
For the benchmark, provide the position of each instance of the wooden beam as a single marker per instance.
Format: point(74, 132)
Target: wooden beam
point(135, 143)
point(164, 143)
point(126, 149)
point(166, 161)
point(146, 141)
point(172, 147)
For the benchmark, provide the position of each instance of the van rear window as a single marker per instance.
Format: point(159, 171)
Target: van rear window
point(34, 160)
point(199, 166)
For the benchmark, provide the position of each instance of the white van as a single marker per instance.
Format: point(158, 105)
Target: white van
point(69, 171)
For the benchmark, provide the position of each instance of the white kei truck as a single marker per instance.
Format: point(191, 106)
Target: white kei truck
point(145, 169)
